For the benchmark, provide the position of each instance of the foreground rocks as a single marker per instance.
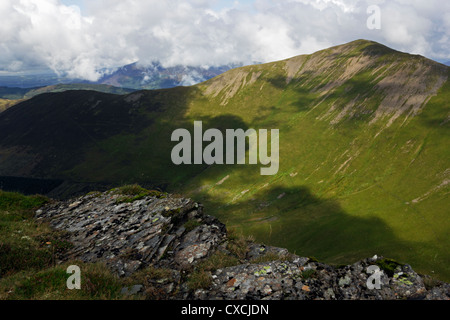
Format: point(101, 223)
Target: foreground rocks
point(181, 253)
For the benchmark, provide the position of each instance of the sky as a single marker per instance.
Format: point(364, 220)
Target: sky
point(82, 38)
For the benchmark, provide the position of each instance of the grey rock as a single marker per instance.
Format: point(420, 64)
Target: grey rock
point(150, 231)
point(132, 291)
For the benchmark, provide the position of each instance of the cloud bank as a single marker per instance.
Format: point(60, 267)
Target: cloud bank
point(111, 33)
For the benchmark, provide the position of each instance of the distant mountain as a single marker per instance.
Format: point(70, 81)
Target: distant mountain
point(132, 76)
point(157, 77)
point(364, 156)
point(14, 93)
point(124, 80)
point(35, 80)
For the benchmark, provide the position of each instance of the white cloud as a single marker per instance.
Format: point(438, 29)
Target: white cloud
point(111, 33)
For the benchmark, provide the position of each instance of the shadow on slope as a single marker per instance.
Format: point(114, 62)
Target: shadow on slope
point(91, 138)
point(293, 218)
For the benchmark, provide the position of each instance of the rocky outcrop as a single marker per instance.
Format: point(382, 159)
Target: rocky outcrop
point(190, 255)
point(302, 279)
point(129, 235)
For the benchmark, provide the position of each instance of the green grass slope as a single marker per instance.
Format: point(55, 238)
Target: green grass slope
point(28, 254)
point(364, 157)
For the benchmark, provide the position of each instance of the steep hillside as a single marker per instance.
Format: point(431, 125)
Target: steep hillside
point(364, 158)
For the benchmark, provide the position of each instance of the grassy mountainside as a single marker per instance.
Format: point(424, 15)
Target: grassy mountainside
point(364, 157)
point(29, 251)
point(6, 103)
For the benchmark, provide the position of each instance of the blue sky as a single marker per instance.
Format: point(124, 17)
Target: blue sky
point(78, 3)
point(216, 5)
point(111, 33)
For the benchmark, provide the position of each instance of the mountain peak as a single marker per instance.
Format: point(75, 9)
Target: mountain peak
point(357, 69)
point(360, 44)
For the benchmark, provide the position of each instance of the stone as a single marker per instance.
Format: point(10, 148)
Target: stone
point(345, 281)
point(131, 291)
point(150, 231)
point(229, 283)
